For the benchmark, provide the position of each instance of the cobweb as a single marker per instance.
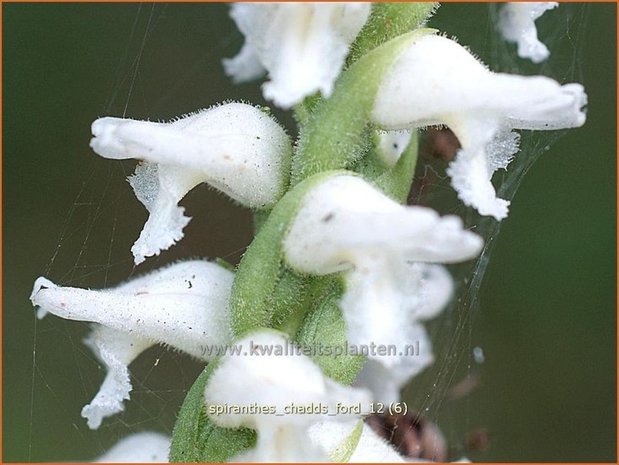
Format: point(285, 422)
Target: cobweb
point(93, 243)
point(99, 226)
point(458, 369)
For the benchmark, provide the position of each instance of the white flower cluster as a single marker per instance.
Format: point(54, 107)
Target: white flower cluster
point(390, 256)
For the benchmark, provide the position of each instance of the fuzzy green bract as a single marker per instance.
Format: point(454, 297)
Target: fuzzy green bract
point(196, 439)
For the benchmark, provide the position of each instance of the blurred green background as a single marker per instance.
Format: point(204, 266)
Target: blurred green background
point(546, 315)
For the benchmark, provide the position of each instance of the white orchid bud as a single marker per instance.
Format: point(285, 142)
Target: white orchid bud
point(391, 145)
point(144, 447)
point(436, 81)
point(517, 24)
point(235, 148)
point(345, 224)
point(263, 389)
point(184, 306)
point(302, 46)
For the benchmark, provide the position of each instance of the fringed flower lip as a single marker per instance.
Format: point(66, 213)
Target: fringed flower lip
point(270, 386)
point(302, 46)
point(184, 306)
point(235, 147)
point(517, 24)
point(436, 81)
point(386, 252)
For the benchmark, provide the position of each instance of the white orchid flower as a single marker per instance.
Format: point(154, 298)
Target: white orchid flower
point(266, 387)
point(144, 447)
point(184, 306)
point(517, 24)
point(345, 224)
point(436, 81)
point(235, 148)
point(302, 46)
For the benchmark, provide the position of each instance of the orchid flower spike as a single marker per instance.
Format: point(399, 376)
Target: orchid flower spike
point(517, 24)
point(144, 447)
point(236, 148)
point(437, 81)
point(346, 225)
point(184, 306)
point(268, 388)
point(302, 46)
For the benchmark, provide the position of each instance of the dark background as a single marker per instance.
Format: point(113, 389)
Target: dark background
point(546, 318)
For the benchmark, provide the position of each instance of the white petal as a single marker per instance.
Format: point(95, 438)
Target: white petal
point(517, 24)
point(385, 380)
point(145, 447)
point(433, 288)
point(345, 218)
point(436, 81)
point(246, 66)
point(116, 350)
point(160, 188)
point(471, 174)
point(470, 177)
point(235, 148)
point(277, 381)
point(391, 145)
point(184, 305)
point(302, 45)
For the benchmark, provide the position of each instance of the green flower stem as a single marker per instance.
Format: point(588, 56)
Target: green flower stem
point(389, 20)
point(334, 136)
point(324, 329)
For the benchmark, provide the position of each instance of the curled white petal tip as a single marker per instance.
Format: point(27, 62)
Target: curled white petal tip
point(302, 46)
point(144, 447)
point(436, 81)
point(517, 24)
point(184, 306)
point(236, 148)
point(278, 383)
